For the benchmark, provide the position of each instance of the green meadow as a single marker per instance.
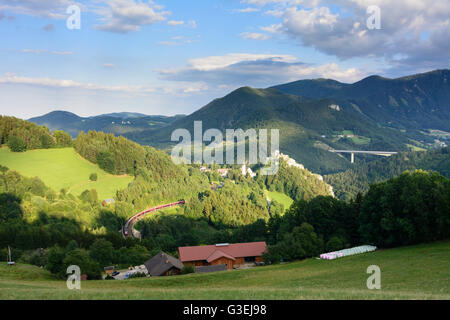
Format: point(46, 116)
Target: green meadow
point(279, 197)
point(416, 272)
point(63, 168)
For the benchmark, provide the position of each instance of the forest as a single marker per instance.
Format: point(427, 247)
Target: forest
point(348, 183)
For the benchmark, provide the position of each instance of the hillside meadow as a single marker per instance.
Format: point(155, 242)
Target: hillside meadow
point(415, 272)
point(63, 168)
point(279, 197)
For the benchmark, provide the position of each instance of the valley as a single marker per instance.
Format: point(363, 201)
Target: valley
point(70, 187)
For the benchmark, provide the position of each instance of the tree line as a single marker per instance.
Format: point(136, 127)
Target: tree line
point(21, 135)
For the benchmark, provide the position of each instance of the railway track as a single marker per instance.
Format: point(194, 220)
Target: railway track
point(128, 228)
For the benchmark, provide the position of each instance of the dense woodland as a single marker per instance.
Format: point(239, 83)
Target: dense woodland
point(53, 228)
point(21, 135)
point(347, 184)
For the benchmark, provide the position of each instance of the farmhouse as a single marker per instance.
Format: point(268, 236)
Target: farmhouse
point(163, 265)
point(108, 202)
point(109, 269)
point(232, 255)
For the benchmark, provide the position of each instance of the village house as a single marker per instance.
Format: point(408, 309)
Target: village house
point(107, 202)
point(223, 172)
point(163, 265)
point(109, 270)
point(232, 255)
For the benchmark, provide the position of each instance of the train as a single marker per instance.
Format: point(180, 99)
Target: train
point(143, 213)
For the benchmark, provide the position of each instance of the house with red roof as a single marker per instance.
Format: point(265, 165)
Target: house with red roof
point(232, 255)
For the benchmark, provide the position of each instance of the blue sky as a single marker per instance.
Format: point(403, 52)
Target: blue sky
point(170, 57)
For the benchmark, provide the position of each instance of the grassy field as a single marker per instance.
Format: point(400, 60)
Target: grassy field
point(63, 168)
point(279, 197)
point(417, 272)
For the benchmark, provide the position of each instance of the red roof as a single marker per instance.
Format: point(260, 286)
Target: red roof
point(219, 254)
point(213, 252)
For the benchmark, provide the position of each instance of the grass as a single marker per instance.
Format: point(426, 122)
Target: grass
point(63, 168)
point(279, 197)
point(416, 272)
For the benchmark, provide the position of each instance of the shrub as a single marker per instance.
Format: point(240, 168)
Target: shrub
point(16, 144)
point(335, 243)
point(93, 177)
point(189, 268)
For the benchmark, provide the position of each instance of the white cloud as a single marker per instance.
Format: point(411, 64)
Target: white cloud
point(342, 32)
point(123, 16)
point(54, 9)
point(178, 89)
point(62, 53)
point(246, 10)
point(175, 22)
point(39, 51)
point(273, 28)
point(258, 70)
point(304, 3)
point(34, 51)
point(177, 41)
point(218, 62)
point(254, 36)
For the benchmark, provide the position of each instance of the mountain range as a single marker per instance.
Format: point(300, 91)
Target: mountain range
point(313, 116)
point(117, 123)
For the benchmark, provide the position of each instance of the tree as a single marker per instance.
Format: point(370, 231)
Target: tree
point(55, 257)
point(47, 141)
point(102, 251)
point(63, 139)
point(16, 144)
point(80, 257)
point(106, 161)
point(93, 177)
point(412, 208)
point(301, 243)
point(89, 196)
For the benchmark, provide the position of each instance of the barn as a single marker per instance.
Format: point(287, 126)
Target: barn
point(232, 255)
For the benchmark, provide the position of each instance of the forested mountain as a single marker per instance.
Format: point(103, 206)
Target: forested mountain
point(117, 123)
point(347, 184)
point(420, 101)
point(307, 127)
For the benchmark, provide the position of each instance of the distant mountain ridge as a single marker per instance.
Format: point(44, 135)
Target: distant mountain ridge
point(420, 101)
point(117, 123)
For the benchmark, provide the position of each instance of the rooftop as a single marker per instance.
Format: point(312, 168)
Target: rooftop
point(213, 252)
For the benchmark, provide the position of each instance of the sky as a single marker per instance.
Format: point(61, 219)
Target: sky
point(173, 57)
